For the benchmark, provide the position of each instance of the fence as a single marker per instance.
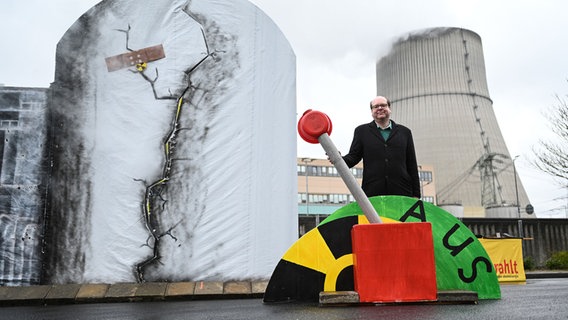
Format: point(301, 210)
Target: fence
point(542, 237)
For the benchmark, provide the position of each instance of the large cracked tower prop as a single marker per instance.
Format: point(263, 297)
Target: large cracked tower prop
point(172, 130)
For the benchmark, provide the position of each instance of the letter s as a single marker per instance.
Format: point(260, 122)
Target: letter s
point(488, 268)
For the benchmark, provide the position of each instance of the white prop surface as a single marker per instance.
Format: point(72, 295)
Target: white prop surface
point(185, 168)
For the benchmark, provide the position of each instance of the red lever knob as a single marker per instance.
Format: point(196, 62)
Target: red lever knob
point(313, 124)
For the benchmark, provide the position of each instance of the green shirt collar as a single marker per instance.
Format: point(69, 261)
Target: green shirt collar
point(386, 131)
point(389, 127)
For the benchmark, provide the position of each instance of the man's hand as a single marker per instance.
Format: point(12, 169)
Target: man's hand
point(329, 158)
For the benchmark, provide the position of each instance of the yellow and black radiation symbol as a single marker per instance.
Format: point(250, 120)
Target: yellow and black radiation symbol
point(322, 258)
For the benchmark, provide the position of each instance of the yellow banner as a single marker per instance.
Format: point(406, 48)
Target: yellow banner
point(507, 258)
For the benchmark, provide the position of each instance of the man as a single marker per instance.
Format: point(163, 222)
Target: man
point(387, 150)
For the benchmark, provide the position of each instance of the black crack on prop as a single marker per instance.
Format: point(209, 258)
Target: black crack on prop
point(154, 191)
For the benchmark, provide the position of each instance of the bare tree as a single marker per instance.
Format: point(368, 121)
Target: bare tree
point(551, 157)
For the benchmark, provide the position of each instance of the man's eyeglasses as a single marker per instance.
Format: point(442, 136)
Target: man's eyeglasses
point(384, 105)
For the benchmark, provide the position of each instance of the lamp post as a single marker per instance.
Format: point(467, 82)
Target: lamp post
point(306, 161)
point(520, 221)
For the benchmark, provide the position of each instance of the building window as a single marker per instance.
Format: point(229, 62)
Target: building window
point(10, 100)
point(7, 124)
point(333, 172)
point(325, 171)
point(313, 171)
point(358, 173)
point(326, 198)
point(425, 176)
point(9, 119)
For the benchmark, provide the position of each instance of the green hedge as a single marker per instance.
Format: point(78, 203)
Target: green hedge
point(558, 261)
point(529, 263)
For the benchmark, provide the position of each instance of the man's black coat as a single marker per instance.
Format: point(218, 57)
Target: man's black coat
point(389, 167)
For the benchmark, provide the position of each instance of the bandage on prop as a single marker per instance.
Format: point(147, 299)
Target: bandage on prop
point(133, 58)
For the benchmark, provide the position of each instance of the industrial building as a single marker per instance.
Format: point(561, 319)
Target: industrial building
point(436, 81)
point(22, 183)
point(321, 191)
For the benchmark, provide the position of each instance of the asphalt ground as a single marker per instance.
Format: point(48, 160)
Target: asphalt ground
point(170, 291)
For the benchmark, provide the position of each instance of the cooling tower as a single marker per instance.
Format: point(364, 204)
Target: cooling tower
point(436, 81)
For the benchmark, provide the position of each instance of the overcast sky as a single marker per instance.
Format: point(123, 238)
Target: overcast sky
point(337, 44)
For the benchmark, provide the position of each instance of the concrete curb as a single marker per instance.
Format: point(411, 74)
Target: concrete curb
point(546, 274)
point(169, 291)
point(129, 292)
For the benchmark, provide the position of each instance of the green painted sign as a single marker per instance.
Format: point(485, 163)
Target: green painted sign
point(461, 261)
point(322, 259)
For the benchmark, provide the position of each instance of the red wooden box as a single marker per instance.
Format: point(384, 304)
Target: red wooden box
point(394, 262)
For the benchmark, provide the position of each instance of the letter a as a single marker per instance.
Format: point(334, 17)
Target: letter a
point(411, 212)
